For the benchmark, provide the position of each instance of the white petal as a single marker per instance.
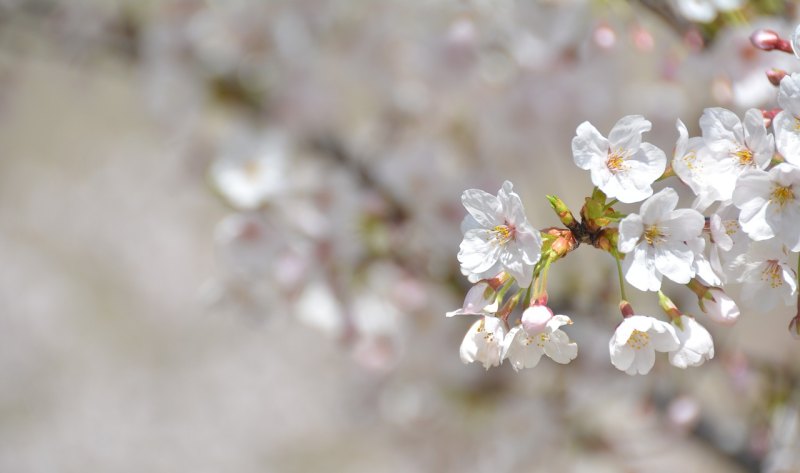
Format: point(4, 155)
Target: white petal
point(640, 269)
point(484, 207)
point(627, 132)
point(630, 230)
point(658, 207)
point(559, 349)
point(643, 362)
point(589, 148)
point(478, 251)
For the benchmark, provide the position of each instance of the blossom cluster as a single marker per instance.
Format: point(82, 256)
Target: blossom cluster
point(740, 235)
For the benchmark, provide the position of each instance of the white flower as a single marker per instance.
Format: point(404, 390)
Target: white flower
point(768, 276)
point(656, 241)
point(787, 123)
point(637, 338)
point(691, 162)
point(696, 344)
point(796, 41)
point(622, 166)
point(251, 172)
point(705, 11)
point(524, 349)
point(497, 236)
point(480, 300)
point(728, 242)
point(770, 204)
point(732, 148)
point(483, 342)
point(721, 308)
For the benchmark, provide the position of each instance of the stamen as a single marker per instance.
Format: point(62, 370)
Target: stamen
point(782, 195)
point(653, 234)
point(772, 274)
point(638, 340)
point(745, 157)
point(616, 161)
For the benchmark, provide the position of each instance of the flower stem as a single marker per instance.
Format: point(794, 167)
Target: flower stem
point(621, 278)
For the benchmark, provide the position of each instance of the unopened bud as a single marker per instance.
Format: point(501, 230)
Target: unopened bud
point(794, 327)
point(765, 39)
point(563, 212)
point(720, 307)
point(775, 76)
point(534, 318)
point(626, 309)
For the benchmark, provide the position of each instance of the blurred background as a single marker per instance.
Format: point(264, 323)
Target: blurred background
point(229, 230)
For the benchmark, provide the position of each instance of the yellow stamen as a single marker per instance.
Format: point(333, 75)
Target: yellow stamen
point(638, 340)
point(772, 274)
point(616, 161)
point(503, 233)
point(745, 157)
point(653, 234)
point(782, 195)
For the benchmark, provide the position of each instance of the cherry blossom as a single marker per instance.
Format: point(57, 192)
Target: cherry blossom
point(655, 242)
point(524, 349)
point(622, 165)
point(636, 340)
point(497, 236)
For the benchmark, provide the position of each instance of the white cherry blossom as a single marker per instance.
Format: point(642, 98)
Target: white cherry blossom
point(622, 165)
point(481, 299)
point(733, 147)
point(787, 123)
point(497, 236)
point(483, 342)
point(728, 242)
point(691, 163)
point(655, 242)
point(251, 171)
point(696, 344)
point(636, 340)
point(768, 276)
point(770, 204)
point(705, 11)
point(721, 308)
point(524, 349)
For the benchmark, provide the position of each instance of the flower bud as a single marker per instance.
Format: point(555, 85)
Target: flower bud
point(775, 76)
point(535, 318)
point(794, 327)
point(720, 307)
point(765, 39)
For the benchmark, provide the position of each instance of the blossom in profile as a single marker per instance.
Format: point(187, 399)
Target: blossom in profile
point(480, 300)
point(622, 165)
point(636, 340)
point(787, 123)
point(696, 344)
point(768, 276)
point(483, 342)
point(497, 236)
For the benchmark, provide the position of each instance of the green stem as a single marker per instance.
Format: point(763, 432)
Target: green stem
point(621, 278)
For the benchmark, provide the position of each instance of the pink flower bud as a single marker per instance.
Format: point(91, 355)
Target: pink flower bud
point(721, 308)
point(535, 318)
point(765, 39)
point(775, 76)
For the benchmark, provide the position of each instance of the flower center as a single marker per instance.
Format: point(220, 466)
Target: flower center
point(539, 339)
point(796, 123)
point(616, 161)
point(731, 227)
point(782, 195)
point(653, 234)
point(772, 274)
point(252, 169)
point(504, 233)
point(745, 157)
point(638, 340)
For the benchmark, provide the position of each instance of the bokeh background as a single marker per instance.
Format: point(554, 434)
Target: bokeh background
point(147, 323)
